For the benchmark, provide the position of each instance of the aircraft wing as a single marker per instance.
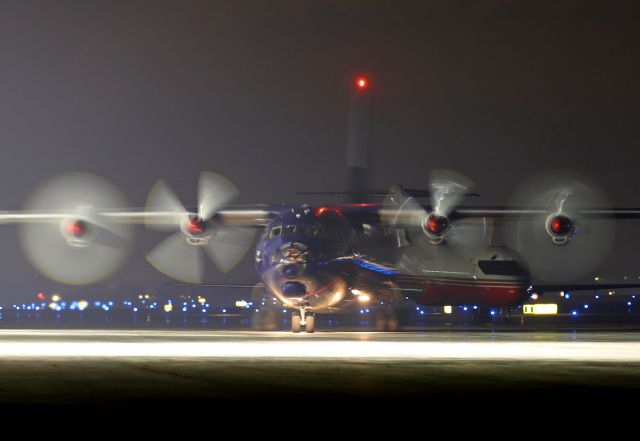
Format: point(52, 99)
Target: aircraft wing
point(245, 216)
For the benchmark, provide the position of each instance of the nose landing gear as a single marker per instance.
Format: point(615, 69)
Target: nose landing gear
point(303, 318)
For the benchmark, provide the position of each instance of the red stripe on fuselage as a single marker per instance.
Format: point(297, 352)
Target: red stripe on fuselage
point(466, 292)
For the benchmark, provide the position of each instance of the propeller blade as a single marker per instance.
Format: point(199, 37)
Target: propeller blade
point(229, 245)
point(166, 209)
point(214, 192)
point(588, 246)
point(400, 210)
point(178, 259)
point(447, 189)
point(451, 252)
point(106, 232)
point(100, 247)
point(470, 236)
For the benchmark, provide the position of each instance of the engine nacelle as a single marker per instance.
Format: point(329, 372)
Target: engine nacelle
point(560, 228)
point(436, 226)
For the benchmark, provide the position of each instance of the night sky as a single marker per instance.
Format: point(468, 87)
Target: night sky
point(258, 91)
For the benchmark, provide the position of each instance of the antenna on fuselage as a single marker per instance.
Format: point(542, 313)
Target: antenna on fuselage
point(358, 140)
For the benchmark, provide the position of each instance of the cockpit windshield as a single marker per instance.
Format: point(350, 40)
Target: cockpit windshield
point(314, 231)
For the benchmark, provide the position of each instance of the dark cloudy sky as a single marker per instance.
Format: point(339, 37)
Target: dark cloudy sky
point(258, 90)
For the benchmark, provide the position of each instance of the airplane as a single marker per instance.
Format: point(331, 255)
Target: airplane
point(319, 258)
point(327, 258)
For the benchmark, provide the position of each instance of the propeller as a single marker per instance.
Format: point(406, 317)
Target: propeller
point(442, 243)
point(180, 256)
point(558, 241)
point(71, 240)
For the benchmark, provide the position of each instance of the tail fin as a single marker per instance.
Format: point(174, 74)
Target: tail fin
point(358, 141)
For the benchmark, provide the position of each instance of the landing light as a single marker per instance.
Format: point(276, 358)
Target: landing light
point(363, 298)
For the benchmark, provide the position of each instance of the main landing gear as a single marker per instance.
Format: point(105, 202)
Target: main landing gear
point(265, 317)
point(303, 318)
point(386, 319)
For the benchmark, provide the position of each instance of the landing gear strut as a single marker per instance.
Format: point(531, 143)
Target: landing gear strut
point(303, 318)
point(386, 320)
point(264, 318)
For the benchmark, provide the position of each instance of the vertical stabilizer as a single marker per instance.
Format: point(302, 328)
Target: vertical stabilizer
point(358, 140)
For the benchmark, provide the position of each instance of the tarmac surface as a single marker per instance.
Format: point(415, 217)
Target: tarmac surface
point(189, 370)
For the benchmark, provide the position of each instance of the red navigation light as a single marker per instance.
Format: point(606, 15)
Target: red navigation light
point(362, 83)
point(41, 296)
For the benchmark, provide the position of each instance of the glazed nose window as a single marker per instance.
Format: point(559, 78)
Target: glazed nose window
point(293, 252)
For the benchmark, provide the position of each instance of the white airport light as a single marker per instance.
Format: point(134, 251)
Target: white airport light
point(448, 309)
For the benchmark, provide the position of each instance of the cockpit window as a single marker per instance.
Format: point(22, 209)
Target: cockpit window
point(314, 231)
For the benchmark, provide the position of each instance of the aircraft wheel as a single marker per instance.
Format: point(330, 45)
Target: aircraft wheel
point(256, 321)
point(380, 321)
point(386, 321)
point(270, 321)
point(392, 321)
point(295, 323)
point(311, 324)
